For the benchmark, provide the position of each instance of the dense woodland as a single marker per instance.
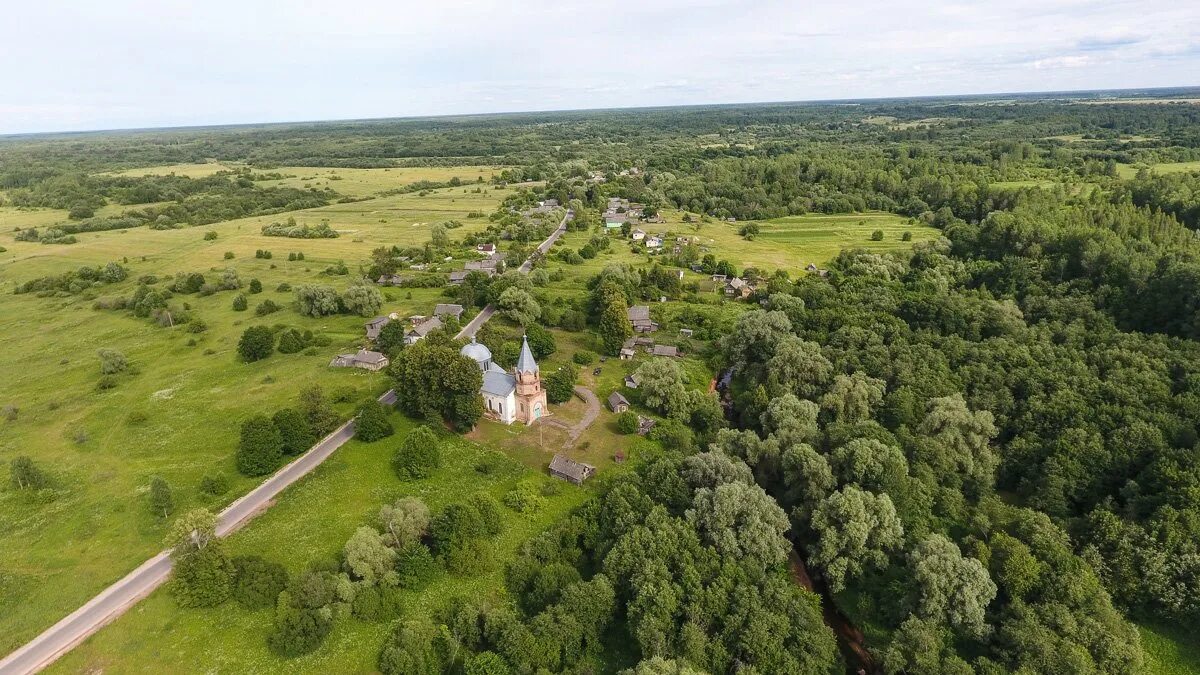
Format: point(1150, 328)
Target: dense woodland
point(986, 450)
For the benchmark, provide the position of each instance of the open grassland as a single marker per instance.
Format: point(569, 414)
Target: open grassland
point(177, 414)
point(1170, 650)
point(312, 520)
point(363, 182)
point(1131, 170)
point(192, 170)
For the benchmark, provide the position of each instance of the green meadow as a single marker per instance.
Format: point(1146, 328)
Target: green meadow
point(311, 521)
point(176, 413)
point(1131, 170)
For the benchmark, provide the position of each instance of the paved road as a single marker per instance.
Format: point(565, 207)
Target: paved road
point(114, 600)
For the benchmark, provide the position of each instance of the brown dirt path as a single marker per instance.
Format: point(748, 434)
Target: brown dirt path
point(850, 639)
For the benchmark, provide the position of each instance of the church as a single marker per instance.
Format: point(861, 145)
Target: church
point(508, 398)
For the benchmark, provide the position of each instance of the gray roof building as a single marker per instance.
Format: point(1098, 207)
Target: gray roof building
point(446, 309)
point(617, 403)
point(569, 469)
point(374, 326)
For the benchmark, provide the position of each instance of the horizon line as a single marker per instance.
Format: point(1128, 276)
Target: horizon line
point(1070, 93)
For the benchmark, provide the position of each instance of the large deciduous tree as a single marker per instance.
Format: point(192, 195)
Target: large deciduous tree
point(435, 382)
point(260, 446)
point(950, 587)
point(856, 531)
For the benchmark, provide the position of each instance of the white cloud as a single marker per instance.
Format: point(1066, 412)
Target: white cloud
point(140, 63)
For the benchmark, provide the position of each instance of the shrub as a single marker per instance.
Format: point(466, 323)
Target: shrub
point(418, 456)
point(10, 412)
point(211, 235)
point(583, 358)
point(214, 484)
point(372, 423)
point(560, 385)
point(197, 326)
point(111, 361)
point(489, 513)
point(294, 430)
point(106, 382)
point(877, 235)
point(229, 255)
point(524, 498)
point(368, 605)
point(472, 558)
point(256, 343)
point(283, 288)
point(907, 236)
point(257, 582)
point(239, 303)
point(266, 307)
point(255, 286)
point(627, 422)
point(25, 475)
point(298, 630)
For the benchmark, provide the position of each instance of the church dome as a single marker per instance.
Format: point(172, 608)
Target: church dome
point(477, 352)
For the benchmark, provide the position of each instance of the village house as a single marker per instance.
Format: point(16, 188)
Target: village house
point(654, 242)
point(639, 319)
point(664, 350)
point(508, 398)
point(457, 277)
point(719, 278)
point(374, 326)
point(487, 265)
point(632, 381)
point(627, 351)
point(367, 360)
point(486, 249)
point(390, 280)
point(638, 234)
point(617, 403)
point(445, 309)
point(419, 331)
point(570, 470)
point(738, 288)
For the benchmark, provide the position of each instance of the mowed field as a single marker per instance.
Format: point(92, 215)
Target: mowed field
point(1131, 170)
point(177, 413)
point(312, 521)
point(352, 182)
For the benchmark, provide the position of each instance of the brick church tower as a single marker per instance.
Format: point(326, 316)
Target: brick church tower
point(531, 398)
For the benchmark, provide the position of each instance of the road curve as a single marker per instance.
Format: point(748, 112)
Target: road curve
point(120, 596)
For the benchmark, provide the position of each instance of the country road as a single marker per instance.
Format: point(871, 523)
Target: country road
point(120, 596)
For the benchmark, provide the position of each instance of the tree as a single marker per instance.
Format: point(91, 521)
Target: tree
point(856, 530)
point(451, 529)
point(111, 361)
point(418, 456)
point(298, 630)
point(161, 501)
point(255, 286)
point(627, 422)
point(541, 341)
point(372, 423)
point(203, 574)
point(404, 521)
point(951, 587)
point(614, 325)
point(851, 397)
point(391, 338)
point(435, 382)
point(956, 443)
point(661, 385)
point(25, 475)
point(320, 415)
point(317, 301)
point(877, 235)
point(291, 341)
point(798, 367)
point(742, 523)
point(519, 306)
point(362, 299)
point(260, 447)
point(367, 556)
point(294, 431)
point(239, 303)
point(560, 384)
point(486, 663)
point(257, 583)
point(256, 343)
point(409, 651)
point(923, 647)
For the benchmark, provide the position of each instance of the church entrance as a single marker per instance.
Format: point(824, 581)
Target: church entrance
point(537, 411)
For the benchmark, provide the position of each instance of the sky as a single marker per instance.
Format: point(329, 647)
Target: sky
point(76, 65)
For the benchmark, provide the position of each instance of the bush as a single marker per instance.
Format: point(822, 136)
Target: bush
point(106, 382)
point(294, 430)
point(368, 605)
point(627, 422)
point(211, 235)
point(372, 423)
point(239, 303)
point(161, 501)
point(299, 630)
point(266, 307)
point(418, 456)
point(292, 341)
point(560, 385)
point(255, 286)
point(283, 288)
point(214, 484)
point(203, 578)
point(877, 235)
point(583, 358)
point(907, 236)
point(111, 361)
point(472, 558)
point(257, 343)
point(524, 498)
point(257, 583)
point(25, 475)
point(415, 566)
point(229, 255)
point(489, 513)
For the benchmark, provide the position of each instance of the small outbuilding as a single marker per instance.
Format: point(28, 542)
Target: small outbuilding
point(617, 403)
point(664, 350)
point(374, 326)
point(446, 309)
point(570, 470)
point(365, 359)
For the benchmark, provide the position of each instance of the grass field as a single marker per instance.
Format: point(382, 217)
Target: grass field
point(178, 415)
point(1170, 650)
point(1131, 170)
point(310, 521)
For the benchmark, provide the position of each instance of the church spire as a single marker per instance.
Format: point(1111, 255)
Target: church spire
point(526, 363)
